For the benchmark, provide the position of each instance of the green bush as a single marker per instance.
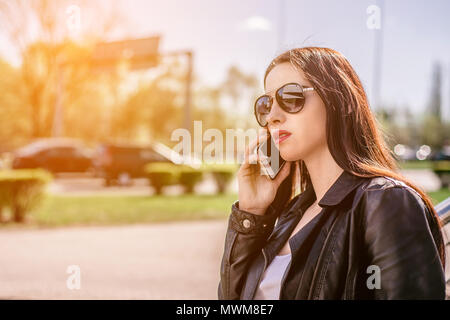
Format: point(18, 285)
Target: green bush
point(188, 177)
point(162, 174)
point(222, 173)
point(22, 191)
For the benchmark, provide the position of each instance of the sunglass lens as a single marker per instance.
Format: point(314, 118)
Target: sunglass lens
point(291, 97)
point(262, 109)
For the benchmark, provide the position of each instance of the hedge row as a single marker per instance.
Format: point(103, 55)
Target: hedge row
point(161, 174)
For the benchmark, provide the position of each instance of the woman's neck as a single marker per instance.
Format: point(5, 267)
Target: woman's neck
point(323, 171)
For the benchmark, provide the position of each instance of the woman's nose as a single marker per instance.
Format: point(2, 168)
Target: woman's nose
point(276, 114)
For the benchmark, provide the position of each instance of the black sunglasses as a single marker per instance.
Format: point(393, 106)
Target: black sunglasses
point(290, 98)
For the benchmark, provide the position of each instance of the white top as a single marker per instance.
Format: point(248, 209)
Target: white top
point(270, 285)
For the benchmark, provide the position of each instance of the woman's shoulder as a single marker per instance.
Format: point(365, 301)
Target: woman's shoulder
point(386, 185)
point(383, 197)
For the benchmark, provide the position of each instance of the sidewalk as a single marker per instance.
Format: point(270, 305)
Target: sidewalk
point(160, 261)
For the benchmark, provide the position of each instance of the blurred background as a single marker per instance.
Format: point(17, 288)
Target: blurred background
point(94, 203)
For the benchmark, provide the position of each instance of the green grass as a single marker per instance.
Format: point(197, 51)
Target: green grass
point(97, 210)
point(57, 211)
point(108, 210)
point(417, 164)
point(438, 196)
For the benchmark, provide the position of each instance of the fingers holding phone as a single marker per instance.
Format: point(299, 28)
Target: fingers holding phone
point(270, 158)
point(250, 151)
point(260, 176)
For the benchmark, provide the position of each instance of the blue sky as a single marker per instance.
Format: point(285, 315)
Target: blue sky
point(416, 33)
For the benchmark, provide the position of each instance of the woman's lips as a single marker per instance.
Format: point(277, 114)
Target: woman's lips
point(281, 135)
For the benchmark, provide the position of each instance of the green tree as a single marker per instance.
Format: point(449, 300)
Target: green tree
point(50, 64)
point(237, 83)
point(12, 124)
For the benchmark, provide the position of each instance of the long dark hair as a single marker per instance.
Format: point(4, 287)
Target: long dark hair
point(355, 139)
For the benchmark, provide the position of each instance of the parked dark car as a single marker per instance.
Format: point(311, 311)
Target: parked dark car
point(119, 163)
point(57, 155)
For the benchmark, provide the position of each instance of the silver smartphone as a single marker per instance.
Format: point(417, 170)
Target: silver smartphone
point(270, 159)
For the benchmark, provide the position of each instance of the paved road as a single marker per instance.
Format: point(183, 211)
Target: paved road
point(160, 261)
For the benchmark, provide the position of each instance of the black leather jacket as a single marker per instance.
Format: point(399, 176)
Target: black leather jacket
point(364, 222)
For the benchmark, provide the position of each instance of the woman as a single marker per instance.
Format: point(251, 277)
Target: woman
point(339, 221)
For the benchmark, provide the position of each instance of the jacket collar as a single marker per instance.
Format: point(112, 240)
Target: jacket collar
point(343, 185)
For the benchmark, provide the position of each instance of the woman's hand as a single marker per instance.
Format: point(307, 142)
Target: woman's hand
point(256, 190)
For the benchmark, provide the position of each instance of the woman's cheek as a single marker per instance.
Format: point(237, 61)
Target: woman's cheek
point(292, 149)
point(301, 144)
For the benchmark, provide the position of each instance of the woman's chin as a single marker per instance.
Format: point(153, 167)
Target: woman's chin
point(289, 156)
point(289, 151)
